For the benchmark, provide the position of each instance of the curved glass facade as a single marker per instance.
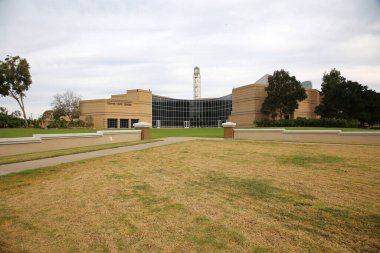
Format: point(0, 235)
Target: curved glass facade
point(179, 113)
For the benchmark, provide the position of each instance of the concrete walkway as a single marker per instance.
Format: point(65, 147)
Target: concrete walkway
point(16, 167)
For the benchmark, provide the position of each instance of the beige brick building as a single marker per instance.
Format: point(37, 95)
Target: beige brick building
point(247, 101)
point(119, 111)
point(243, 108)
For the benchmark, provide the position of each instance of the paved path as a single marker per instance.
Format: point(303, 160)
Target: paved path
point(16, 167)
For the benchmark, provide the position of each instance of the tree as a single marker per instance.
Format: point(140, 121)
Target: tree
point(15, 80)
point(333, 88)
point(346, 99)
point(284, 93)
point(370, 108)
point(66, 104)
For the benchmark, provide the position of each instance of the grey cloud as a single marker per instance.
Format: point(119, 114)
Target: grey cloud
point(98, 48)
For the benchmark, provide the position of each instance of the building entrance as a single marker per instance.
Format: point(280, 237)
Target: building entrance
point(182, 113)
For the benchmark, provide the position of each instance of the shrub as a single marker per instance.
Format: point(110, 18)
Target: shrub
point(58, 123)
point(9, 121)
point(77, 123)
point(303, 122)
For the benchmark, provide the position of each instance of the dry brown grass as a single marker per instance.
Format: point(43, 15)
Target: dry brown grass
point(201, 196)
point(69, 151)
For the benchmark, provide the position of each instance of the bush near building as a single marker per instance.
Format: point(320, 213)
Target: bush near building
point(61, 123)
point(10, 121)
point(14, 120)
point(303, 122)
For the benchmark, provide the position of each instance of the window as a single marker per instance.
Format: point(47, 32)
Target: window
point(172, 112)
point(133, 121)
point(111, 123)
point(124, 123)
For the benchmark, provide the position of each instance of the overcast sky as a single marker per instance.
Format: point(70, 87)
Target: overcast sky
point(98, 48)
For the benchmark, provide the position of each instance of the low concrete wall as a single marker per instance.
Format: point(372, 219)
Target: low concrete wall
point(46, 142)
point(323, 136)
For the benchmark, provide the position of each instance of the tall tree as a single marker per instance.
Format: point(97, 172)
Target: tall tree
point(66, 104)
point(346, 99)
point(284, 93)
point(15, 80)
point(370, 108)
point(333, 84)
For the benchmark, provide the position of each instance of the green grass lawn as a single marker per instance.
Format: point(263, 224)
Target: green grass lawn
point(186, 132)
point(28, 132)
point(155, 133)
point(323, 128)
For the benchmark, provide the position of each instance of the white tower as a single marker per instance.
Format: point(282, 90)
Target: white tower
point(197, 83)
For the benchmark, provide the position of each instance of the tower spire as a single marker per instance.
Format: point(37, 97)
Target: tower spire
point(197, 83)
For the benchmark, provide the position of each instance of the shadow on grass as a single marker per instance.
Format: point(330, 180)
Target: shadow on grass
point(260, 189)
point(210, 236)
point(304, 160)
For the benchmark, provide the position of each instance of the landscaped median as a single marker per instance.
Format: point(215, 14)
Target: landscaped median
point(49, 142)
point(70, 151)
point(314, 136)
point(33, 144)
point(320, 136)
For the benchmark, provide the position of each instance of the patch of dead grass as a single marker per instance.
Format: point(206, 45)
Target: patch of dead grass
point(61, 152)
point(201, 196)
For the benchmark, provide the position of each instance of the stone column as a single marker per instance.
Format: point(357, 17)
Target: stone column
point(229, 130)
point(145, 129)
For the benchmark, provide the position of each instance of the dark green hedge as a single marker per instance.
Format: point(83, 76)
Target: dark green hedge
point(303, 122)
point(10, 121)
point(64, 124)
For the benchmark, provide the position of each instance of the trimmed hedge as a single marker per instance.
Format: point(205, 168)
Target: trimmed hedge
point(9, 121)
point(64, 124)
point(303, 122)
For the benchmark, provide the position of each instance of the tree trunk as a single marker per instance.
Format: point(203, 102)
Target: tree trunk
point(21, 104)
point(24, 114)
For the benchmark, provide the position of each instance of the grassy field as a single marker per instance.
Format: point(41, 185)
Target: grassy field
point(155, 133)
point(325, 128)
point(28, 132)
point(186, 132)
point(69, 151)
point(200, 196)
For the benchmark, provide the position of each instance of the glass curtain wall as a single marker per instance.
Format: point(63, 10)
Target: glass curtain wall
point(178, 113)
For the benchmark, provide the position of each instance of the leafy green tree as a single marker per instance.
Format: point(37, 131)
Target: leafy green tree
point(58, 112)
point(370, 108)
point(66, 104)
point(15, 80)
point(331, 103)
point(346, 99)
point(284, 93)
